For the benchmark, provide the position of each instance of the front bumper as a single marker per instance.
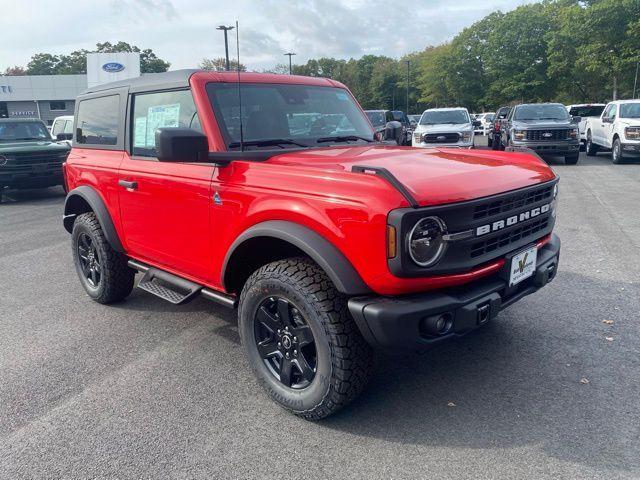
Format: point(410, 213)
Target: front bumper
point(631, 148)
point(32, 179)
point(401, 323)
point(444, 145)
point(551, 148)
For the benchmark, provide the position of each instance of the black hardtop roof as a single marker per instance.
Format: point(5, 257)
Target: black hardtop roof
point(148, 81)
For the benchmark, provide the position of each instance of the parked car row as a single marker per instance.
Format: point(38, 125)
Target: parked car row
point(555, 129)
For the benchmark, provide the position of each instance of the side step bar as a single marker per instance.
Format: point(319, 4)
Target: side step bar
point(175, 289)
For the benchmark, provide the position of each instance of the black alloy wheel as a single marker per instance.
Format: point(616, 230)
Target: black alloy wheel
point(89, 258)
point(285, 342)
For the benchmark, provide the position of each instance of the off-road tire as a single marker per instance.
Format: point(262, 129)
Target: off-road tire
point(591, 148)
point(344, 359)
point(116, 278)
point(572, 159)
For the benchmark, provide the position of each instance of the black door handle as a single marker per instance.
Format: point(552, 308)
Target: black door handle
point(128, 185)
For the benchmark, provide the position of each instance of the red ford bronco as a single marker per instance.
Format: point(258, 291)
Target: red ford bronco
point(272, 194)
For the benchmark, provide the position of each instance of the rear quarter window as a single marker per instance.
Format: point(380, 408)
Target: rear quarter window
point(97, 122)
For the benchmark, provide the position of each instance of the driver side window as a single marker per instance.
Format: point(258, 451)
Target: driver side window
point(157, 110)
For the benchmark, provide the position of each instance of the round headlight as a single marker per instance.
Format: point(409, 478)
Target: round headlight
point(426, 245)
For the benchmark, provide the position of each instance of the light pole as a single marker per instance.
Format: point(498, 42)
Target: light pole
point(226, 44)
point(635, 82)
point(408, 63)
point(290, 54)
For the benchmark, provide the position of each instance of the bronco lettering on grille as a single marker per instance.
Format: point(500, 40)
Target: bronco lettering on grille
point(512, 220)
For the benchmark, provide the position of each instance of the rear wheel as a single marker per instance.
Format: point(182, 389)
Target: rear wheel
point(591, 148)
point(616, 151)
point(300, 340)
point(103, 272)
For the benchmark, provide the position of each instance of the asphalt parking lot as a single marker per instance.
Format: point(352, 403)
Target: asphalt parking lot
point(147, 390)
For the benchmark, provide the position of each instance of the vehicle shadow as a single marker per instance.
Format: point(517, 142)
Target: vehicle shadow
point(32, 195)
point(516, 382)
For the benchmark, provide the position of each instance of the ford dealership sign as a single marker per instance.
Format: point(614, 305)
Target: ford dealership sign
point(113, 67)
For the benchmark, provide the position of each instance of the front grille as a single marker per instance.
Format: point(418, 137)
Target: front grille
point(473, 250)
point(492, 244)
point(546, 135)
point(513, 202)
point(440, 138)
point(41, 163)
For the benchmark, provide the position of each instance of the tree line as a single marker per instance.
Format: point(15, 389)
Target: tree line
point(570, 51)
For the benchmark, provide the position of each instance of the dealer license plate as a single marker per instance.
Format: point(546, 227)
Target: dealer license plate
point(523, 265)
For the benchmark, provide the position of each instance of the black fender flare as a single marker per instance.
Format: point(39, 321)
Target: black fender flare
point(95, 202)
point(343, 275)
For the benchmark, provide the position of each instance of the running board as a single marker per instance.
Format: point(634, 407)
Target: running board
point(174, 289)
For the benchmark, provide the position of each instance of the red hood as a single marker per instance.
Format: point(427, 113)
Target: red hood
point(433, 176)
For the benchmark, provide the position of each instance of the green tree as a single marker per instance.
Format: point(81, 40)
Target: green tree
point(220, 65)
point(43, 64)
point(518, 65)
point(612, 46)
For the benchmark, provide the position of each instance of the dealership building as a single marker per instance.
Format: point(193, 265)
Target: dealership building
point(49, 96)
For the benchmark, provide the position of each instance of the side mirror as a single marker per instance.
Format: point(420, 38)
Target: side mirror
point(576, 119)
point(64, 136)
point(607, 119)
point(181, 145)
point(393, 132)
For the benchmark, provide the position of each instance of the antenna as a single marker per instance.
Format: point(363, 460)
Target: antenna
point(239, 88)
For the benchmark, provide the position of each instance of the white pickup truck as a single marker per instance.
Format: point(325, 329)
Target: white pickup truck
point(617, 129)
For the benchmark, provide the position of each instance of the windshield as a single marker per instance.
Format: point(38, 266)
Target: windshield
point(436, 117)
point(301, 115)
point(586, 111)
point(541, 112)
point(12, 131)
point(630, 110)
point(489, 117)
point(377, 119)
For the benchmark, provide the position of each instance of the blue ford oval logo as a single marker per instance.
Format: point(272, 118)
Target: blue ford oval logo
point(112, 67)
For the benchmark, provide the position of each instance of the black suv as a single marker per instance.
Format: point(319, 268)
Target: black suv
point(29, 156)
point(546, 128)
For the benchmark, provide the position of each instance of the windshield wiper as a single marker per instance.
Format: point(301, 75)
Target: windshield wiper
point(29, 138)
point(343, 138)
point(267, 142)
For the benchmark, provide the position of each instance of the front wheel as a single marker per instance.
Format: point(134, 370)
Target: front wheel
point(616, 151)
point(591, 148)
point(300, 340)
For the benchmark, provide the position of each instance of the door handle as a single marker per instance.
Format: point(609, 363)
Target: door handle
point(128, 185)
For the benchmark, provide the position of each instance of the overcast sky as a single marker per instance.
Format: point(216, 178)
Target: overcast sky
point(183, 31)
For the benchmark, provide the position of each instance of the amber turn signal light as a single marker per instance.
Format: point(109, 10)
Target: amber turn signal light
point(391, 242)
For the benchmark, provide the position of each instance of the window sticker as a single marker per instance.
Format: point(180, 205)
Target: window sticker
point(158, 117)
point(140, 132)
